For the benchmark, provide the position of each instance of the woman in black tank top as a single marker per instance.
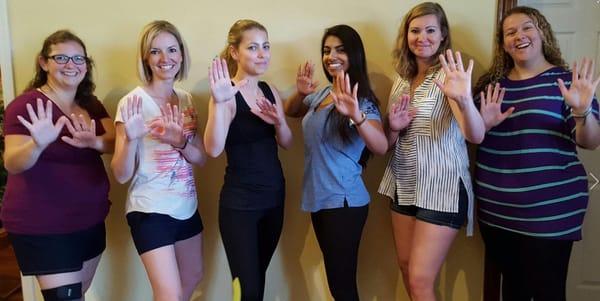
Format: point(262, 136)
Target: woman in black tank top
point(246, 119)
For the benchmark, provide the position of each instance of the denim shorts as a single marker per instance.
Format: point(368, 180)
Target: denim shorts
point(57, 253)
point(449, 219)
point(154, 230)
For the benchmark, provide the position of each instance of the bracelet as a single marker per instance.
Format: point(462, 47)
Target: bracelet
point(363, 117)
point(584, 115)
point(181, 148)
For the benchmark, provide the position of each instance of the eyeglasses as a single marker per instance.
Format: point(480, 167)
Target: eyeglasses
point(63, 59)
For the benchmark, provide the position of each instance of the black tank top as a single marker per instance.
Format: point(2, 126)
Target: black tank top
point(253, 177)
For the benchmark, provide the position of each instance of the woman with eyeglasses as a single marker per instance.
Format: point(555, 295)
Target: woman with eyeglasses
point(156, 148)
point(56, 196)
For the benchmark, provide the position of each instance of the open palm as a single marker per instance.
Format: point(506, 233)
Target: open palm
point(133, 119)
point(221, 88)
point(43, 131)
point(457, 83)
point(580, 94)
point(401, 114)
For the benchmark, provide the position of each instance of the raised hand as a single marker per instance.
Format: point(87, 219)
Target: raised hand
point(168, 128)
point(304, 79)
point(401, 114)
point(133, 120)
point(42, 130)
point(84, 135)
point(580, 94)
point(269, 112)
point(221, 88)
point(491, 102)
point(457, 84)
point(345, 98)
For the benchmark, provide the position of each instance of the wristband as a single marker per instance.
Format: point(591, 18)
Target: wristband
point(584, 115)
point(181, 148)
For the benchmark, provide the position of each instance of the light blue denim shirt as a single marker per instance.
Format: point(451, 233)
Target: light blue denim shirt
point(332, 173)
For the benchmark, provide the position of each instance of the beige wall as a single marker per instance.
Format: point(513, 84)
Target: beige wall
point(110, 30)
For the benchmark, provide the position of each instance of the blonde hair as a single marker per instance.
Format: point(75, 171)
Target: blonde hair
point(503, 63)
point(149, 33)
point(405, 62)
point(234, 38)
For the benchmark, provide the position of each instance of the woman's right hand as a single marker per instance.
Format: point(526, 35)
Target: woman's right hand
point(491, 102)
point(133, 120)
point(42, 130)
point(221, 88)
point(304, 79)
point(401, 114)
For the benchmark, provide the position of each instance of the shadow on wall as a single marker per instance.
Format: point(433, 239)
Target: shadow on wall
point(296, 272)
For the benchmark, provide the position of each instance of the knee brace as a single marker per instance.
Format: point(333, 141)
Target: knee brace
point(65, 292)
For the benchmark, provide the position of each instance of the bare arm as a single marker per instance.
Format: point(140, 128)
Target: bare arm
point(457, 88)
point(579, 97)
point(22, 151)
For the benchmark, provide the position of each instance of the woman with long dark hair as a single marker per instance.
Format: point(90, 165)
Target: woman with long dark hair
point(341, 125)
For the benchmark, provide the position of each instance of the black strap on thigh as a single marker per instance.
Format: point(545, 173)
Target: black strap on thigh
point(65, 292)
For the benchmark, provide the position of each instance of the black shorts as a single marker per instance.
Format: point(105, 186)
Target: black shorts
point(449, 219)
point(154, 230)
point(57, 253)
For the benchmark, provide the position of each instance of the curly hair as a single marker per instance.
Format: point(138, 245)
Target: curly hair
point(85, 89)
point(502, 62)
point(405, 62)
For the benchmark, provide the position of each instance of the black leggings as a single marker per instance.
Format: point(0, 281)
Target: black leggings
point(250, 238)
point(338, 232)
point(531, 267)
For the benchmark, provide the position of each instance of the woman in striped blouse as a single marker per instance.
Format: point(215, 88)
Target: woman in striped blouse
point(531, 188)
point(427, 177)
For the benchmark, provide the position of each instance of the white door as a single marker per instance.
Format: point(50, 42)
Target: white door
point(576, 24)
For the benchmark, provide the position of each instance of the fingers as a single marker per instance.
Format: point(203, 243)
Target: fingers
point(495, 92)
point(32, 116)
point(60, 123)
point(501, 96)
point(451, 62)
point(70, 127)
point(41, 114)
point(444, 63)
point(459, 62)
point(24, 122)
point(70, 141)
point(508, 112)
point(562, 87)
point(48, 113)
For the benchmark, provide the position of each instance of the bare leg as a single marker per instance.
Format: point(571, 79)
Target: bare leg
point(430, 247)
point(403, 227)
point(189, 260)
point(161, 266)
point(58, 280)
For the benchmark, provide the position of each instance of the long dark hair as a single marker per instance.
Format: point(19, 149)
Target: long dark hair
point(85, 89)
point(336, 123)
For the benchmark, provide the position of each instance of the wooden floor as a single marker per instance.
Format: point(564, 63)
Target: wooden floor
point(10, 279)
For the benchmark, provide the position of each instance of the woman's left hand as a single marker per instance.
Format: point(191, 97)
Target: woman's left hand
point(457, 84)
point(580, 94)
point(345, 98)
point(168, 128)
point(84, 134)
point(269, 112)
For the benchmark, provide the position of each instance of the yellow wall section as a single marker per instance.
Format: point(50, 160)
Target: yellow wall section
point(110, 29)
